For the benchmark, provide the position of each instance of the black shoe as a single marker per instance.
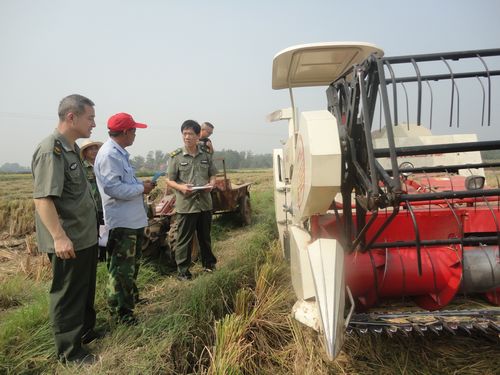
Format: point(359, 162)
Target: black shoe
point(92, 335)
point(210, 268)
point(184, 276)
point(87, 360)
point(83, 358)
point(127, 317)
point(128, 320)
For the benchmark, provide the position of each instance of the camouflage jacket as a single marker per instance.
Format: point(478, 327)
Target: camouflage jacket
point(89, 170)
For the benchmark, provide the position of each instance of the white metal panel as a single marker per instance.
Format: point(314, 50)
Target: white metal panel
point(318, 64)
point(326, 257)
point(317, 167)
point(299, 263)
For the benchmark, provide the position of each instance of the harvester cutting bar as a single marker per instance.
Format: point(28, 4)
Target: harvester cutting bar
point(484, 321)
point(441, 314)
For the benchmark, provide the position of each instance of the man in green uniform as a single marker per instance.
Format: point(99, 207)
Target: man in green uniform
point(66, 228)
point(207, 130)
point(191, 173)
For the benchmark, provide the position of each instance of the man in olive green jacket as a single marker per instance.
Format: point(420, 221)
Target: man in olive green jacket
point(191, 173)
point(66, 227)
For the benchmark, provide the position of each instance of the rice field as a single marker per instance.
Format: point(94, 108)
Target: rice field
point(235, 321)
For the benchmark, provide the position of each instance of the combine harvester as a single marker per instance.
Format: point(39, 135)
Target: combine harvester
point(390, 228)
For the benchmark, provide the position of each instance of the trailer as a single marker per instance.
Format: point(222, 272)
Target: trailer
point(227, 198)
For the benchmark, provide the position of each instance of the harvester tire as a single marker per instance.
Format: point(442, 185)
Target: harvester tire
point(172, 237)
point(149, 247)
point(245, 210)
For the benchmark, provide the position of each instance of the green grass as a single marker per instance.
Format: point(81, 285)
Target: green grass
point(177, 325)
point(16, 290)
point(25, 337)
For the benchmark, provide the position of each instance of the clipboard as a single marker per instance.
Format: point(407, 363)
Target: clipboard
point(199, 187)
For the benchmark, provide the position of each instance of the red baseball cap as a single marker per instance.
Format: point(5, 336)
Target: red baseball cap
point(123, 121)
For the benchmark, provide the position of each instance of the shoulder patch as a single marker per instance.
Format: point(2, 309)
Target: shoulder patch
point(176, 152)
point(57, 147)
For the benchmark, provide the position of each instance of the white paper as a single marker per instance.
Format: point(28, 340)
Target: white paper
point(199, 187)
point(103, 235)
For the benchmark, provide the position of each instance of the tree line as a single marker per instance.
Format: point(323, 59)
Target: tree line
point(157, 160)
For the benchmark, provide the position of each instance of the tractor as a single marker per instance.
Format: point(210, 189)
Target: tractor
point(387, 210)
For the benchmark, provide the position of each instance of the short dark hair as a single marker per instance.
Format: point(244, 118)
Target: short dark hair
point(208, 124)
point(73, 103)
point(191, 124)
point(115, 133)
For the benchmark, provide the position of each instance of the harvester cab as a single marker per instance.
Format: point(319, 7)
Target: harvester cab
point(382, 198)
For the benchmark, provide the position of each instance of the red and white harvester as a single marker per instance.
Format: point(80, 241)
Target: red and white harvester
point(383, 210)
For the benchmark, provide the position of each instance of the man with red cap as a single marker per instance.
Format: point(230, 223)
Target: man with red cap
point(124, 214)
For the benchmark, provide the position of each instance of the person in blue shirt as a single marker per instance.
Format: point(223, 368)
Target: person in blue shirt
point(124, 215)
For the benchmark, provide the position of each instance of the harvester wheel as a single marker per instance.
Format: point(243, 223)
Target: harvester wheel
point(145, 243)
point(245, 210)
point(149, 247)
point(172, 234)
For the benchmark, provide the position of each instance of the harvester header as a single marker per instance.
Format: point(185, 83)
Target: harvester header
point(385, 196)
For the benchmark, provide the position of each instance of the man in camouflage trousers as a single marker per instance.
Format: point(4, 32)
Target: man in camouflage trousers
point(125, 245)
point(124, 214)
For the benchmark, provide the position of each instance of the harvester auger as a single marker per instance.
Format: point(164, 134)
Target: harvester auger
point(389, 228)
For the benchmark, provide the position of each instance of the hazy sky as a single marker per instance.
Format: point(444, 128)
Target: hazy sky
point(167, 61)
